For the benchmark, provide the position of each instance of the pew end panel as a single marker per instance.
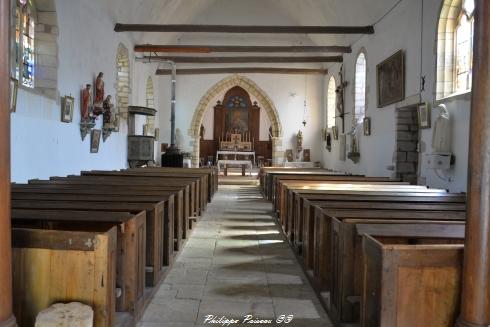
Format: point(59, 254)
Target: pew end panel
point(409, 282)
point(52, 266)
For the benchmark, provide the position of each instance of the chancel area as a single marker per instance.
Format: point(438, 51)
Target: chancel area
point(185, 163)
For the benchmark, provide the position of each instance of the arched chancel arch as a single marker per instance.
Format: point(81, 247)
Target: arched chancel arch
point(253, 89)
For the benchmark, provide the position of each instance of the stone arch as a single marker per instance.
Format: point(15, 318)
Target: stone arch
point(150, 102)
point(252, 88)
point(122, 80)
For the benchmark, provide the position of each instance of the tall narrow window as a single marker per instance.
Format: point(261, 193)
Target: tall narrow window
point(463, 48)
point(24, 43)
point(360, 89)
point(455, 47)
point(331, 102)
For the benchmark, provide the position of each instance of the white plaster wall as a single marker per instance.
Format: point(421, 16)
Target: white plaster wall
point(43, 146)
point(401, 29)
point(190, 89)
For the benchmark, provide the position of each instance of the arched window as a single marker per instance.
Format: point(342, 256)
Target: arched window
point(24, 42)
point(360, 89)
point(455, 47)
point(331, 102)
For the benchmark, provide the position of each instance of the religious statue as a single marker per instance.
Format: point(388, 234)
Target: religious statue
point(108, 111)
point(99, 94)
point(86, 100)
point(299, 140)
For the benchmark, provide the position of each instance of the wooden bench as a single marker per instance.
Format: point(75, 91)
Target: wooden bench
point(181, 220)
point(344, 266)
point(159, 220)
point(131, 240)
point(412, 280)
point(55, 265)
point(199, 184)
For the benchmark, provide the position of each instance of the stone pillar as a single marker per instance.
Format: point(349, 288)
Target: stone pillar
point(6, 317)
point(475, 306)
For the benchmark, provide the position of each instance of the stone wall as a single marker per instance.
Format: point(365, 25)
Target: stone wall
point(407, 138)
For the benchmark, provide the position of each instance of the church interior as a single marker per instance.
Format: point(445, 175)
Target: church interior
point(245, 163)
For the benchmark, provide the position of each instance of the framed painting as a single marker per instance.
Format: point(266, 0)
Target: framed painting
point(423, 112)
point(14, 87)
point(289, 155)
point(95, 140)
point(67, 106)
point(367, 126)
point(390, 80)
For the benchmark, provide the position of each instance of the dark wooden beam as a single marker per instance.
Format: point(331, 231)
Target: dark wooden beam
point(241, 60)
point(6, 310)
point(475, 305)
point(239, 48)
point(244, 29)
point(243, 70)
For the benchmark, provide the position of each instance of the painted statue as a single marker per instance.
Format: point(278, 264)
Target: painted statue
point(109, 116)
point(86, 100)
point(99, 94)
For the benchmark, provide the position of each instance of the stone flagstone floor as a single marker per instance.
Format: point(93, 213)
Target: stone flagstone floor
point(236, 263)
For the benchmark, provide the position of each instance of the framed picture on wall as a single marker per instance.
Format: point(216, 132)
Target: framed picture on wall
point(14, 86)
point(95, 140)
point(67, 105)
point(335, 132)
point(289, 155)
point(423, 112)
point(390, 80)
point(367, 126)
point(306, 155)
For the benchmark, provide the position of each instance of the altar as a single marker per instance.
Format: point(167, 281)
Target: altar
point(236, 149)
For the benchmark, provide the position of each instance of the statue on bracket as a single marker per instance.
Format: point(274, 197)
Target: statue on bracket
point(109, 117)
point(99, 95)
point(87, 121)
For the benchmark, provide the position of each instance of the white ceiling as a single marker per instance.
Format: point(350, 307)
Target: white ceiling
point(246, 12)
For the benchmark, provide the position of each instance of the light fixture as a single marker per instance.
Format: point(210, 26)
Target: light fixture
point(304, 105)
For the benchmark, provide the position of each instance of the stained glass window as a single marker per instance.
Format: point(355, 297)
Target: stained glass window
point(360, 89)
point(24, 44)
point(331, 102)
point(464, 48)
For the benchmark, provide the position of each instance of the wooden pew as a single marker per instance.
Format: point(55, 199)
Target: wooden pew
point(198, 184)
point(294, 198)
point(131, 239)
point(159, 220)
point(212, 173)
point(412, 279)
point(305, 219)
point(344, 253)
point(191, 205)
point(181, 220)
point(55, 265)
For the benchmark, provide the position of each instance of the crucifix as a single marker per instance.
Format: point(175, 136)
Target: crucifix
point(340, 90)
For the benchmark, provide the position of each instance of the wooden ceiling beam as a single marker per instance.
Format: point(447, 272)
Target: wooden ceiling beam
point(242, 70)
point(241, 60)
point(263, 29)
point(239, 48)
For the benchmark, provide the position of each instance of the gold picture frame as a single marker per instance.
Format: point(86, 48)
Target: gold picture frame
point(335, 132)
point(14, 88)
point(367, 126)
point(67, 107)
point(95, 140)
